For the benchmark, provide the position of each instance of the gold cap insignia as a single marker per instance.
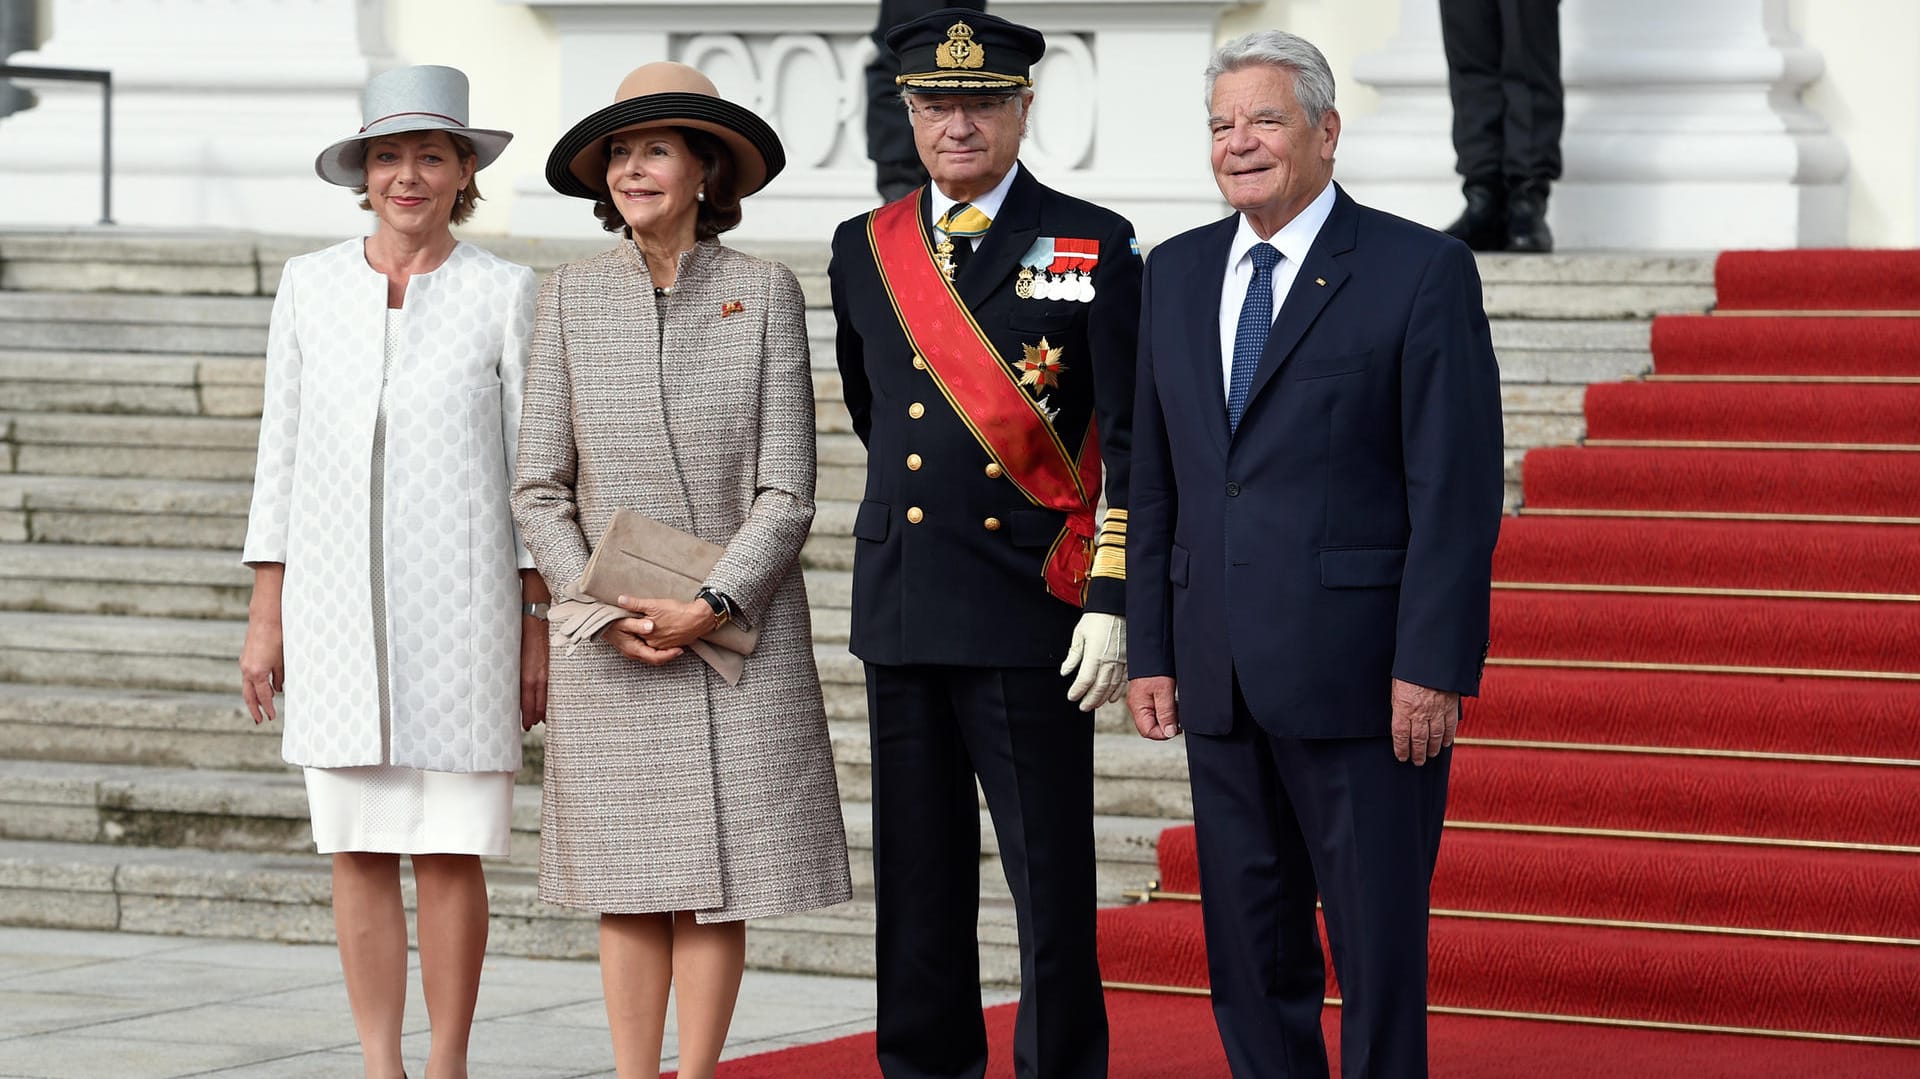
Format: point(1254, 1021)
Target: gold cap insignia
point(960, 51)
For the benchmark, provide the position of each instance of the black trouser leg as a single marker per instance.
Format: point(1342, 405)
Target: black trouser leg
point(1257, 902)
point(1534, 100)
point(1471, 34)
point(926, 852)
point(1373, 825)
point(1033, 751)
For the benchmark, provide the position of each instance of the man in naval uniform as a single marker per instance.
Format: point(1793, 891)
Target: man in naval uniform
point(987, 329)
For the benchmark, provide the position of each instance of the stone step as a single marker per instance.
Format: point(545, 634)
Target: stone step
point(57, 722)
point(131, 261)
point(1574, 367)
point(153, 447)
point(122, 653)
point(168, 582)
point(285, 897)
point(1571, 336)
point(118, 510)
point(265, 812)
point(55, 332)
point(182, 384)
point(113, 309)
point(1596, 300)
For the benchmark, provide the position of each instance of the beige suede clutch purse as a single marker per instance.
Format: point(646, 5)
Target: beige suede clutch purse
point(641, 558)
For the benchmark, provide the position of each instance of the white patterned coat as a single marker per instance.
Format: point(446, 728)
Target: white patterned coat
point(667, 789)
point(451, 556)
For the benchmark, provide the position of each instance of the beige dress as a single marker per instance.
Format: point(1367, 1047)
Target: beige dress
point(394, 809)
point(667, 789)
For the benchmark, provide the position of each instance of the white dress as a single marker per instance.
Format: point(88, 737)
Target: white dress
point(388, 808)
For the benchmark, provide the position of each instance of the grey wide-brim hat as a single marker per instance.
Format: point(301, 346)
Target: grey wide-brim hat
point(426, 97)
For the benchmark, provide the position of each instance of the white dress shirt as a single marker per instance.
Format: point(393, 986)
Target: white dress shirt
point(1293, 241)
point(988, 204)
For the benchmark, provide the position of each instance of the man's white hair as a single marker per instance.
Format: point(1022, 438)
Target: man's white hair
point(1312, 78)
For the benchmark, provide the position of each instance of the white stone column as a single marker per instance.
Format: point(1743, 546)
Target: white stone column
point(220, 107)
point(1685, 129)
point(1118, 117)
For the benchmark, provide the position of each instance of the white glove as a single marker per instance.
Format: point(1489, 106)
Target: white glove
point(1099, 651)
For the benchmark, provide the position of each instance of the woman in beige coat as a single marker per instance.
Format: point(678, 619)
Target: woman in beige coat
point(670, 376)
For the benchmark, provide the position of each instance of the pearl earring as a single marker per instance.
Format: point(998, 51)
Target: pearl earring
point(699, 196)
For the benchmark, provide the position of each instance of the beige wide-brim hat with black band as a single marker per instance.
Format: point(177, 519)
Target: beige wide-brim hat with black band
point(665, 94)
point(426, 97)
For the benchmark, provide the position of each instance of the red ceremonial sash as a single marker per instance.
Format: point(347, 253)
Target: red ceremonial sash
point(985, 393)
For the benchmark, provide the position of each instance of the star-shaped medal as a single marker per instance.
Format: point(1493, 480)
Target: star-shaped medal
point(1041, 368)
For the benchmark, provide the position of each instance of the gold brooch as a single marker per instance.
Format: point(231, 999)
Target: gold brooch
point(731, 307)
point(960, 50)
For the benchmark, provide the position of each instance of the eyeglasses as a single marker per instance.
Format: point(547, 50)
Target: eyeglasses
point(937, 113)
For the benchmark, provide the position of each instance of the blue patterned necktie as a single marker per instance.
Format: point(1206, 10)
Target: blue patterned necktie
point(1250, 339)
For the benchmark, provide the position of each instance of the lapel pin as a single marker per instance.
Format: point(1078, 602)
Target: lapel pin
point(734, 307)
point(1321, 281)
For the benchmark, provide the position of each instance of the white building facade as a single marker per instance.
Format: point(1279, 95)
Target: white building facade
point(1690, 126)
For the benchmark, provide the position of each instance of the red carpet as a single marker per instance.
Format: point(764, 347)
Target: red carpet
point(1814, 280)
point(1797, 556)
point(1562, 788)
point(1754, 412)
point(1599, 971)
point(1808, 890)
point(1838, 717)
point(1868, 483)
point(1824, 347)
point(1172, 1037)
point(1845, 635)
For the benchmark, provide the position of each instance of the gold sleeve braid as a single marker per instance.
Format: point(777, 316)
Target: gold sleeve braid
point(1110, 547)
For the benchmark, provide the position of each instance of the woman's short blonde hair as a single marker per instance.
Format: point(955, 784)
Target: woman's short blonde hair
point(463, 202)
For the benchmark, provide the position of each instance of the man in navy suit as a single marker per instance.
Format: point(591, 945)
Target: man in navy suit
point(1316, 491)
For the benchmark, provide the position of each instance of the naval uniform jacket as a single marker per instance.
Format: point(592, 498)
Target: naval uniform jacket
point(948, 554)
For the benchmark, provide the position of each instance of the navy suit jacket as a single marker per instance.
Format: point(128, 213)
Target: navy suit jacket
point(1343, 535)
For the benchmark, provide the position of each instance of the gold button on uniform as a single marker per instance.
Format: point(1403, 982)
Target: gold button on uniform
point(993, 524)
point(914, 515)
point(994, 471)
point(916, 410)
point(919, 364)
point(913, 462)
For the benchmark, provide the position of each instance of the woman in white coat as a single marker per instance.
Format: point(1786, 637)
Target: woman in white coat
point(392, 602)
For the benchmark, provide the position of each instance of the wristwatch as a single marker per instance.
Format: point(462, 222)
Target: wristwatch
point(534, 610)
point(722, 607)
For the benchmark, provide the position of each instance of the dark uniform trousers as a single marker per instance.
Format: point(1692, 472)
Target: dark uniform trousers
point(1279, 823)
point(1503, 73)
point(963, 640)
point(933, 729)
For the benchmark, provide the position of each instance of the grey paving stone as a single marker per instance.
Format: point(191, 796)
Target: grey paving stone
point(84, 1055)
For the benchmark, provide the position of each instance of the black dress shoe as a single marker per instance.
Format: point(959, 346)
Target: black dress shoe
point(1527, 229)
point(1483, 227)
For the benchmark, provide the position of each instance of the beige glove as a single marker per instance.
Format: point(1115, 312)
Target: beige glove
point(1099, 652)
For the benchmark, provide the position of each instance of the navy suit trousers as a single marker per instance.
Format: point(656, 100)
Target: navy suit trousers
point(1279, 823)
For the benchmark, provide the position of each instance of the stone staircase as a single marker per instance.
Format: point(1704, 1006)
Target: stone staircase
point(134, 791)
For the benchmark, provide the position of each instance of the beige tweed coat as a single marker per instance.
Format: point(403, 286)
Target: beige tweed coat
point(667, 789)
